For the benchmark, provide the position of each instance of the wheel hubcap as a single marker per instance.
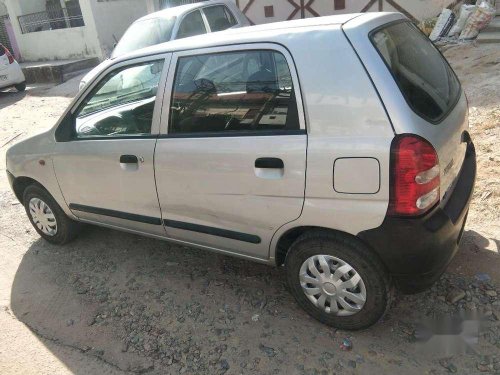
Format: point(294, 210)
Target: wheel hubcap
point(332, 285)
point(43, 217)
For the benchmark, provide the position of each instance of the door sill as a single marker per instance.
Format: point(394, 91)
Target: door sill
point(268, 261)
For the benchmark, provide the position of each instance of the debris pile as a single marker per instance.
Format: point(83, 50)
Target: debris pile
point(461, 24)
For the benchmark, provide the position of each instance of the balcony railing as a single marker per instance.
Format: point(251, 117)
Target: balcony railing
point(51, 19)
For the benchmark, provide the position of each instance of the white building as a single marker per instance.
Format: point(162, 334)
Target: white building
point(66, 29)
point(264, 11)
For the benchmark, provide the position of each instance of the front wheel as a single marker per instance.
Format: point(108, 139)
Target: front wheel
point(338, 280)
point(47, 217)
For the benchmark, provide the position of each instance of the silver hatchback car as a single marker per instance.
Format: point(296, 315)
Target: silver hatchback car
point(337, 147)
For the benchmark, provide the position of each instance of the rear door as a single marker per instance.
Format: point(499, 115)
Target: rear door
point(230, 164)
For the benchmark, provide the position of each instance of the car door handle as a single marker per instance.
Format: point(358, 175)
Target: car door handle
point(270, 163)
point(128, 159)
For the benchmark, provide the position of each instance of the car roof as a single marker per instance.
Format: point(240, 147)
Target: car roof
point(179, 10)
point(260, 33)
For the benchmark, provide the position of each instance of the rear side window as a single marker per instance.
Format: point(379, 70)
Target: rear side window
point(219, 18)
point(234, 91)
point(424, 77)
point(191, 25)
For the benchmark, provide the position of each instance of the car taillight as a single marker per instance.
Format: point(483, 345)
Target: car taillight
point(415, 176)
point(9, 56)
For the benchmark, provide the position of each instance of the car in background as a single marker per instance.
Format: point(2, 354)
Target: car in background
point(176, 23)
point(11, 74)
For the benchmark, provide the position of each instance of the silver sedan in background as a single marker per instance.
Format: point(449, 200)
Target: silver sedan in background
point(176, 23)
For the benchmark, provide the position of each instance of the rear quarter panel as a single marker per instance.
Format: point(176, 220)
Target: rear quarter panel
point(345, 119)
point(445, 136)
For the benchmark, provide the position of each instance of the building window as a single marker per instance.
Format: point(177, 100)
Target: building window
point(269, 11)
point(338, 4)
point(55, 16)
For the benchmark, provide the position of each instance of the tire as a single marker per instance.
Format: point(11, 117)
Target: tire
point(375, 280)
point(64, 229)
point(20, 86)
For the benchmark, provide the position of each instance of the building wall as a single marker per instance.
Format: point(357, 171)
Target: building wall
point(153, 5)
point(60, 44)
point(113, 17)
point(293, 9)
point(3, 9)
point(31, 6)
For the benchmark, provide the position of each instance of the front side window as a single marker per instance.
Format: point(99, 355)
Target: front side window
point(145, 33)
point(191, 25)
point(424, 77)
point(121, 104)
point(233, 92)
point(219, 18)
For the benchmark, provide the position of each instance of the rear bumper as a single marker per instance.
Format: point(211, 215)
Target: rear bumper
point(4, 85)
point(14, 75)
point(416, 251)
point(11, 179)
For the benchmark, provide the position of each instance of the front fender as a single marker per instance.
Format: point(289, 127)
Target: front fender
point(32, 158)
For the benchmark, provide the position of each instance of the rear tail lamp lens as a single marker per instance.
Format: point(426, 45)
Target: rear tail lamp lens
point(9, 56)
point(414, 176)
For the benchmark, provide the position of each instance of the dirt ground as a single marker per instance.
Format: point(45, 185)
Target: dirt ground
point(112, 302)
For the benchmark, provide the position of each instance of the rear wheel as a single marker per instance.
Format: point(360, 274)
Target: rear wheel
point(47, 217)
point(20, 86)
point(338, 280)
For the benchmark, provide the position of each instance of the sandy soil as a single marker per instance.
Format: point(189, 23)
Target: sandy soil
point(112, 302)
point(478, 69)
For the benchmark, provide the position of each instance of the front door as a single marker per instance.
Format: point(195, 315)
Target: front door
point(105, 168)
point(230, 164)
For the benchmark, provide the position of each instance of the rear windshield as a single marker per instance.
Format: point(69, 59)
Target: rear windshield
point(145, 33)
point(427, 82)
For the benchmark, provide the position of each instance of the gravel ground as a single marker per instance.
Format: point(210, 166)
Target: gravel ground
point(112, 302)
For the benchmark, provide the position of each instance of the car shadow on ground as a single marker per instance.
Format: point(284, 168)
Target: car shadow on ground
point(10, 96)
point(478, 255)
point(146, 305)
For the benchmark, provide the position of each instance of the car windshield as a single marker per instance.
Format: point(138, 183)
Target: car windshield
point(144, 34)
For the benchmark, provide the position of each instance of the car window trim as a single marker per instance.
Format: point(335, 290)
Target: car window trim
point(88, 89)
point(275, 47)
point(242, 133)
